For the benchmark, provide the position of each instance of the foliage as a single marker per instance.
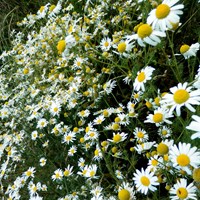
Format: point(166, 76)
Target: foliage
point(100, 101)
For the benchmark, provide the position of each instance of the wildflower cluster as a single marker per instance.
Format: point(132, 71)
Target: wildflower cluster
point(100, 100)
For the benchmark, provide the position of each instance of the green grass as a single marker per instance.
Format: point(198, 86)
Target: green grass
point(13, 11)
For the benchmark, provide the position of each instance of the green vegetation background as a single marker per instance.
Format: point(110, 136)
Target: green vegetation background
point(12, 11)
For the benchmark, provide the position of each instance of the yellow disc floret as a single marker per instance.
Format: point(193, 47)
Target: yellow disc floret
point(162, 11)
point(145, 181)
point(121, 47)
point(61, 46)
point(196, 175)
point(117, 138)
point(158, 117)
point(141, 77)
point(184, 48)
point(183, 160)
point(144, 30)
point(182, 193)
point(181, 96)
point(162, 149)
point(124, 194)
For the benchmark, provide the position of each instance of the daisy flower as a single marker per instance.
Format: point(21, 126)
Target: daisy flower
point(30, 172)
point(165, 15)
point(160, 116)
point(69, 137)
point(145, 181)
point(181, 96)
point(97, 154)
point(125, 192)
point(119, 137)
point(119, 174)
point(124, 47)
point(34, 135)
point(142, 77)
point(42, 123)
point(140, 134)
point(109, 86)
point(43, 162)
point(188, 51)
point(55, 108)
point(58, 175)
point(146, 35)
point(154, 163)
point(182, 191)
point(144, 146)
point(105, 44)
point(91, 171)
point(68, 171)
point(164, 132)
point(99, 119)
point(72, 151)
point(184, 156)
point(194, 126)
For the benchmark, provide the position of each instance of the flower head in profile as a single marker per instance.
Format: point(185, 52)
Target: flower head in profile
point(188, 51)
point(165, 15)
point(182, 95)
point(142, 77)
point(145, 181)
point(181, 190)
point(195, 126)
point(146, 35)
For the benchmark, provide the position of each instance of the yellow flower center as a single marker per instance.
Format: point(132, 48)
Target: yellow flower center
point(105, 113)
point(66, 172)
point(115, 126)
point(164, 132)
point(124, 194)
point(41, 9)
point(140, 134)
point(196, 175)
point(158, 117)
point(61, 46)
point(92, 134)
point(183, 160)
point(184, 48)
point(117, 138)
point(141, 77)
point(55, 109)
point(28, 173)
point(121, 47)
point(68, 138)
point(26, 71)
point(92, 173)
point(145, 181)
point(96, 152)
point(148, 104)
point(162, 149)
point(154, 162)
point(117, 119)
point(144, 30)
point(52, 7)
point(162, 11)
point(106, 44)
point(157, 101)
point(181, 96)
point(182, 193)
